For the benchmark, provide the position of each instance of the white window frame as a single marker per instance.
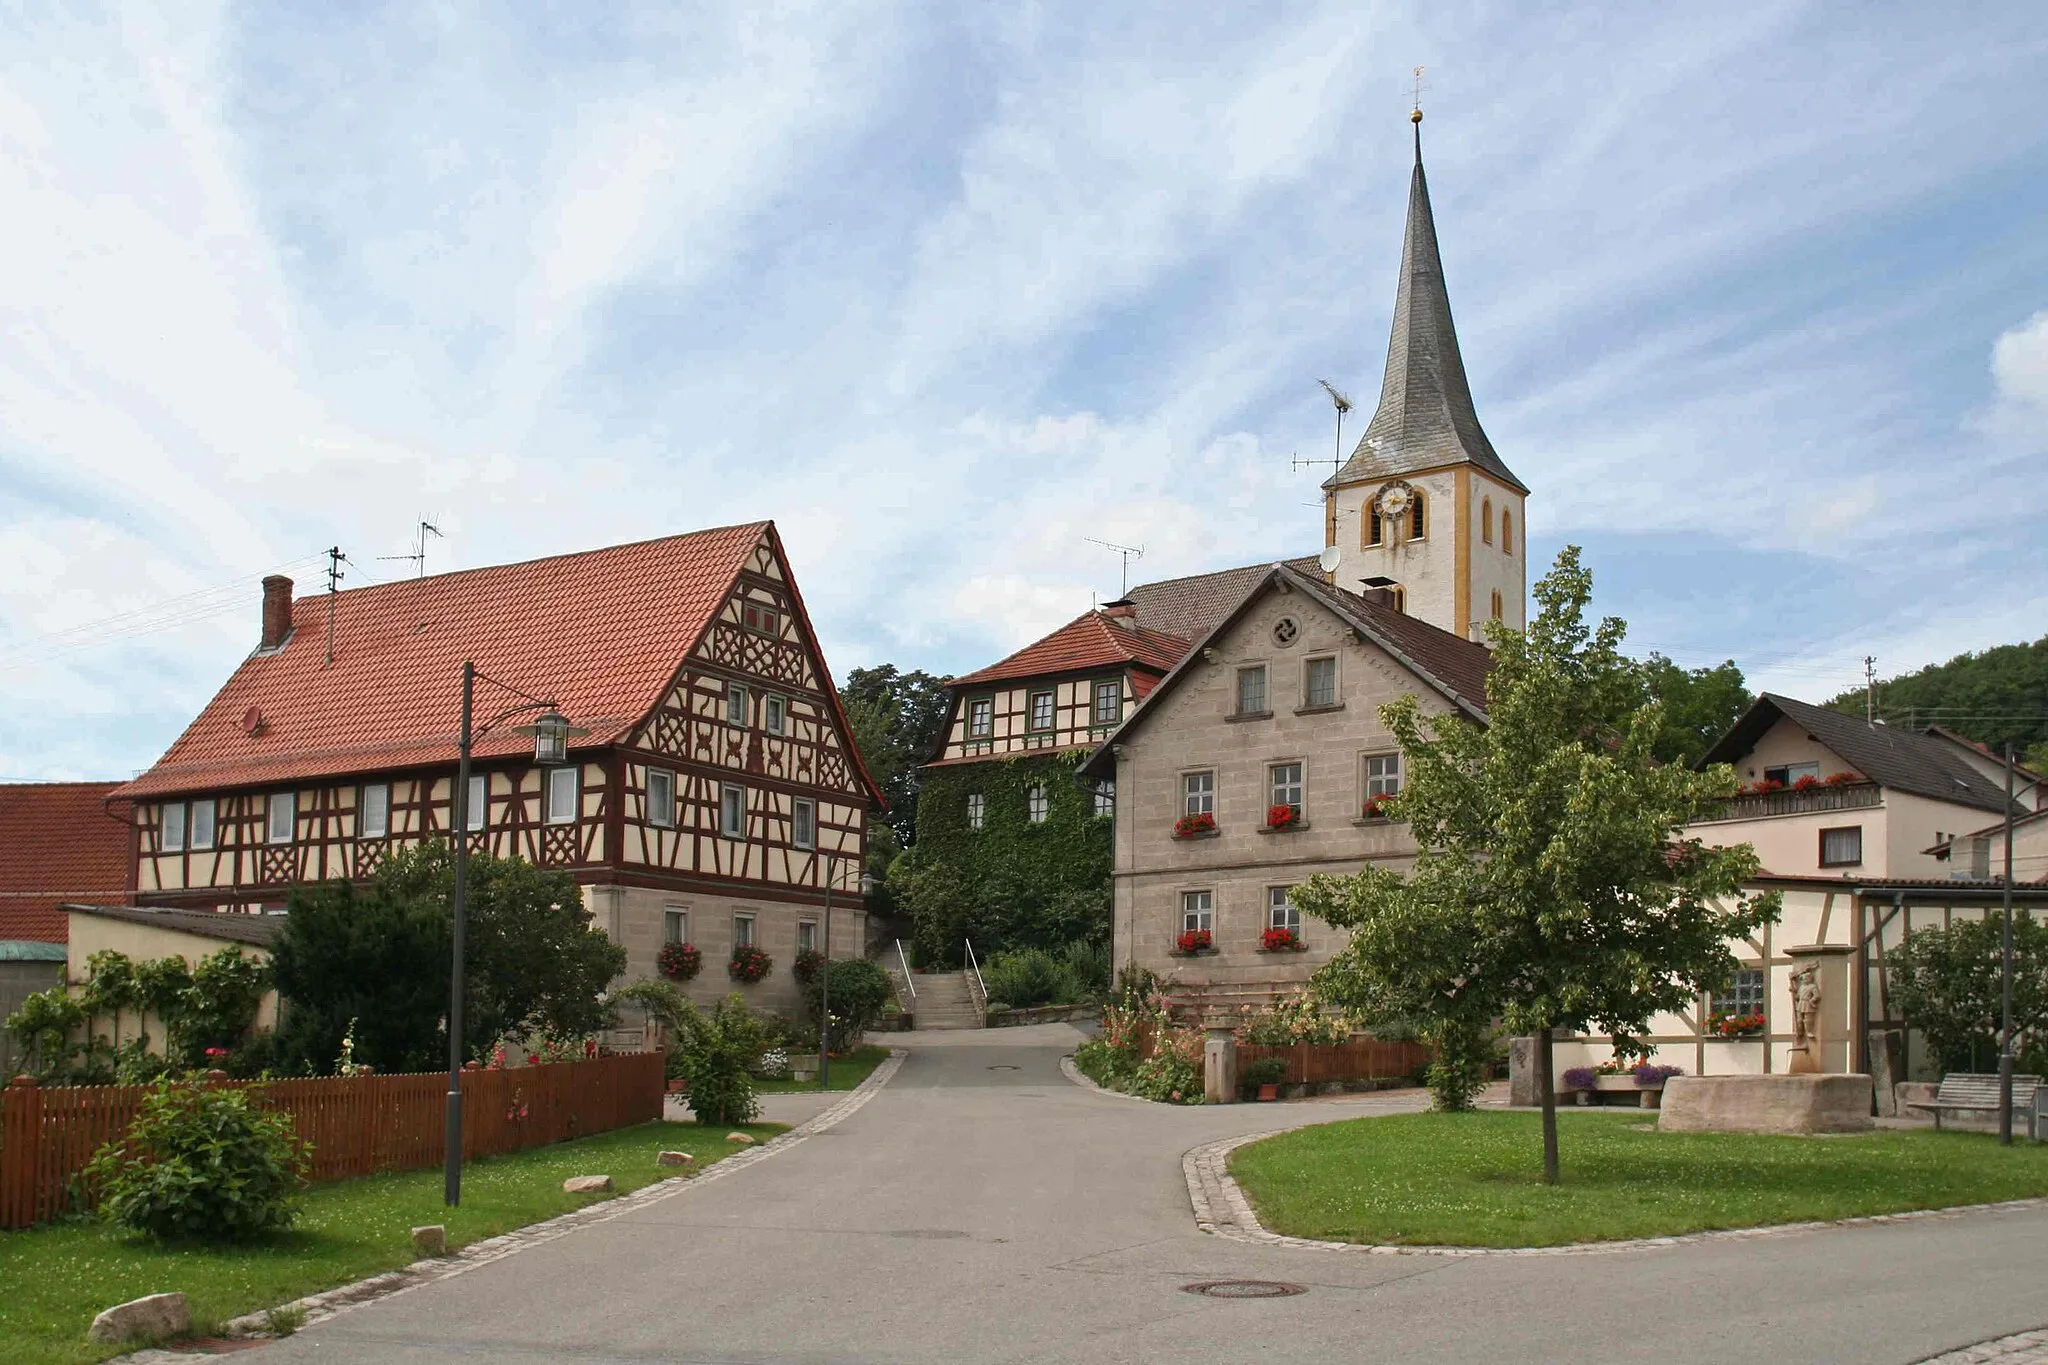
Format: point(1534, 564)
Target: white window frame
point(286, 804)
point(1197, 911)
point(1380, 774)
point(977, 811)
point(1286, 784)
point(204, 821)
point(774, 713)
point(1113, 688)
point(1105, 799)
point(1308, 680)
point(170, 827)
point(1198, 792)
point(478, 816)
point(675, 924)
point(803, 822)
point(1265, 697)
point(732, 810)
point(807, 936)
point(554, 788)
point(1281, 911)
point(1031, 708)
point(1037, 804)
point(661, 798)
point(735, 703)
point(981, 717)
point(364, 805)
point(743, 928)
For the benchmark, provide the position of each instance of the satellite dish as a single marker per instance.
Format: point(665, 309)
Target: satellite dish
point(1330, 558)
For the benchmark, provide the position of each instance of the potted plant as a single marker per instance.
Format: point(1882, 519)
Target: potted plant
point(749, 963)
point(1192, 941)
point(807, 965)
point(1650, 1078)
point(1806, 783)
point(1376, 806)
point(1194, 826)
point(679, 961)
point(1264, 1077)
point(1844, 778)
point(1283, 817)
point(1280, 941)
point(1581, 1082)
point(1728, 1024)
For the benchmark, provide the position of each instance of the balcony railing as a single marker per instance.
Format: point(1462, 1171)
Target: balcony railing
point(1762, 805)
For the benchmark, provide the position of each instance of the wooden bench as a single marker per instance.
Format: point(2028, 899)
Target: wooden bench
point(1968, 1090)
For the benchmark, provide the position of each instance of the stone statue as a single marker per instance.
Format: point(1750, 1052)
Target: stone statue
point(1806, 1019)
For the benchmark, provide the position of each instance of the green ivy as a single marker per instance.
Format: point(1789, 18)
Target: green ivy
point(1011, 883)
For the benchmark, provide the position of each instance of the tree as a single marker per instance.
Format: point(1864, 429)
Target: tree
point(1948, 983)
point(859, 989)
point(1992, 697)
point(1554, 887)
point(1700, 705)
point(369, 955)
point(897, 718)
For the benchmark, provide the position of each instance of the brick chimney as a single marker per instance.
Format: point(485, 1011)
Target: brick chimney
point(277, 610)
point(1122, 612)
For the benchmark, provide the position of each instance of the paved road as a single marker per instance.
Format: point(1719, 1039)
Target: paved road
point(981, 1207)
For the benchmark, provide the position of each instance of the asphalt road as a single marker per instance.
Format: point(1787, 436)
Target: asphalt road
point(983, 1208)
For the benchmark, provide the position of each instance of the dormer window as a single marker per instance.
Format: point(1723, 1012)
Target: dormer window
point(981, 718)
point(1109, 701)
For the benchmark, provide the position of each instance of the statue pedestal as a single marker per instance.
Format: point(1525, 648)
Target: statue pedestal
point(1835, 1103)
point(1802, 1062)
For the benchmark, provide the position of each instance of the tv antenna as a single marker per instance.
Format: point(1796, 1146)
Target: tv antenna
point(1343, 405)
point(335, 559)
point(418, 557)
point(1128, 553)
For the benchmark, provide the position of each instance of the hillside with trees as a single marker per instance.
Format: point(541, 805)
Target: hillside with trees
point(1991, 697)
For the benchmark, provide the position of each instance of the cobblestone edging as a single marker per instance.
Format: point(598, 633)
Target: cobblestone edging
point(320, 1307)
point(1221, 1208)
point(2024, 1348)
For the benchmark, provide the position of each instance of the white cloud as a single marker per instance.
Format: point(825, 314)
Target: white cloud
point(2019, 379)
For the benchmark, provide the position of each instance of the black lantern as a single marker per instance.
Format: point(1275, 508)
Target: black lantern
point(550, 737)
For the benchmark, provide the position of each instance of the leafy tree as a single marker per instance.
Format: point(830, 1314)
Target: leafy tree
point(365, 954)
point(1992, 696)
point(897, 718)
point(859, 990)
point(1948, 983)
point(1700, 705)
point(1554, 887)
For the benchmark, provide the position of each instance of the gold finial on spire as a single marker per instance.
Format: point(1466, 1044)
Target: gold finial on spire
point(1416, 116)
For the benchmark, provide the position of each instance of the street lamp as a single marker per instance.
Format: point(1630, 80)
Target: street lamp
point(551, 731)
point(868, 882)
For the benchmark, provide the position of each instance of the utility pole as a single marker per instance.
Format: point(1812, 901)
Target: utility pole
point(334, 576)
point(1870, 689)
point(2005, 974)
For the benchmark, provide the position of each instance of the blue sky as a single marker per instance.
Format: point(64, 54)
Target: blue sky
point(1754, 298)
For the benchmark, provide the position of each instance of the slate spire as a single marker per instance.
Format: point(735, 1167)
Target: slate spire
point(1425, 418)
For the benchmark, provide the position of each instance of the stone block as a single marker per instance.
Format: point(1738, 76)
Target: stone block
point(430, 1241)
point(1523, 1089)
point(675, 1159)
point(587, 1184)
point(1219, 1066)
point(157, 1318)
point(739, 1139)
point(1837, 1103)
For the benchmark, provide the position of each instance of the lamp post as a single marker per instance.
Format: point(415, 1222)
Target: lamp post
point(867, 881)
point(550, 731)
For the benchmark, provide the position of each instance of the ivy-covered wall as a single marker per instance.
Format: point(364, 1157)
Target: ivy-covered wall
point(1011, 883)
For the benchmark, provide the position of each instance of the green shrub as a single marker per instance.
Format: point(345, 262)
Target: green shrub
point(1087, 963)
point(1265, 1071)
point(1107, 1066)
point(716, 1058)
point(859, 990)
point(1029, 976)
point(201, 1163)
point(1168, 1077)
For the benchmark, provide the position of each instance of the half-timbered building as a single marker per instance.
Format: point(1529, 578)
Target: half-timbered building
point(716, 793)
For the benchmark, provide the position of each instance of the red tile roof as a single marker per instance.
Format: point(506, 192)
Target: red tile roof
point(1092, 640)
point(57, 844)
point(601, 633)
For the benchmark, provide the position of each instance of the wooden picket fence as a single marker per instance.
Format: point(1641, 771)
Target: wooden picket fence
point(1361, 1059)
point(357, 1125)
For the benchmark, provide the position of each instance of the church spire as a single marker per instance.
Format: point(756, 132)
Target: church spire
point(1425, 418)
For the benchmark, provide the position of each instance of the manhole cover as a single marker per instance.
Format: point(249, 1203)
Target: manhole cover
point(1004, 1066)
point(1244, 1289)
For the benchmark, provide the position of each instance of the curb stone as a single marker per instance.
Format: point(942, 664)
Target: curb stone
point(1221, 1209)
point(2022, 1348)
point(1073, 1073)
point(331, 1303)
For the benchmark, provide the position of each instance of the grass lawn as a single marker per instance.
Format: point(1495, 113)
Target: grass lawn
point(847, 1072)
point(1473, 1179)
point(57, 1278)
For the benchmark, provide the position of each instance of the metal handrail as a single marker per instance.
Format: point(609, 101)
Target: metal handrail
point(906, 971)
point(981, 987)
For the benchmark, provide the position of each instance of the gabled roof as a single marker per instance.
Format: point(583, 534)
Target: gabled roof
point(1092, 640)
point(259, 931)
point(2020, 820)
point(601, 633)
point(57, 843)
point(1910, 761)
point(1455, 668)
point(1190, 607)
point(1425, 417)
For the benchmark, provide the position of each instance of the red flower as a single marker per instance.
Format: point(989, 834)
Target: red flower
point(1193, 940)
point(1281, 817)
point(1193, 824)
point(1279, 940)
point(1806, 783)
point(1766, 787)
point(1843, 779)
point(216, 1052)
point(533, 1059)
point(1376, 805)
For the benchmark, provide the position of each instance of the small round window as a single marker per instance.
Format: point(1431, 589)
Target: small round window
point(1285, 630)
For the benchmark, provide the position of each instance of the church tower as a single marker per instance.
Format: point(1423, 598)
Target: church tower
point(1424, 508)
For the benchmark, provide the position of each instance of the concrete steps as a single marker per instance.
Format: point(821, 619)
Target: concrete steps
point(944, 1001)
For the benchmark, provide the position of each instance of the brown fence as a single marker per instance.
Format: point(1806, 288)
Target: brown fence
point(1365, 1059)
point(357, 1125)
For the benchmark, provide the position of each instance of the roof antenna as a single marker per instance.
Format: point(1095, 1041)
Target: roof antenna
point(1129, 553)
point(1870, 689)
point(418, 557)
point(1343, 405)
point(334, 577)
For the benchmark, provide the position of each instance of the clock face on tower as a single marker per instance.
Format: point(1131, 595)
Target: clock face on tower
point(1393, 500)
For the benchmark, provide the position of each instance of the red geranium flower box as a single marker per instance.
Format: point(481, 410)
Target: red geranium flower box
point(1188, 826)
point(1282, 817)
point(1193, 941)
point(1280, 941)
point(679, 961)
point(1806, 783)
point(1376, 806)
point(749, 963)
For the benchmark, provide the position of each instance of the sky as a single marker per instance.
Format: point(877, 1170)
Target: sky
point(1754, 297)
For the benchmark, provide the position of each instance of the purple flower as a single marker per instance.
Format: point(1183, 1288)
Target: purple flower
point(1649, 1073)
point(1579, 1078)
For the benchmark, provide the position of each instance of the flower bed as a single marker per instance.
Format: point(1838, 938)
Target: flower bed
point(1194, 826)
point(749, 963)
